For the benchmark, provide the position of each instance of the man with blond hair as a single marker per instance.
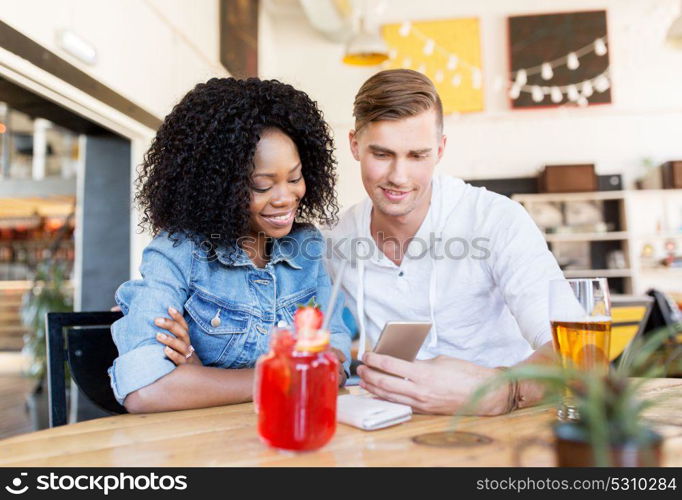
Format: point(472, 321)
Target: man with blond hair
point(425, 247)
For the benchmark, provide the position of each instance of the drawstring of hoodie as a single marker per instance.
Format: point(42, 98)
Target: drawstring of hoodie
point(433, 333)
point(360, 302)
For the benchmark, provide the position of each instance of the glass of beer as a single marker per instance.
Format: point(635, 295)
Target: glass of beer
point(580, 313)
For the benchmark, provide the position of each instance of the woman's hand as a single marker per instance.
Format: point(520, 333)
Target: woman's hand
point(342, 372)
point(178, 347)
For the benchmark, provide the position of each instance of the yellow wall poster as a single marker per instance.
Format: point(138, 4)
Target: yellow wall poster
point(448, 52)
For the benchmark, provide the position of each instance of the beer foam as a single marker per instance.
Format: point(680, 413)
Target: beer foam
point(582, 319)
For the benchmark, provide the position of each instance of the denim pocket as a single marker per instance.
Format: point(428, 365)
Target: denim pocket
point(289, 304)
point(220, 328)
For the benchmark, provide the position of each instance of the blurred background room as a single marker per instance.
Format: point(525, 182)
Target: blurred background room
point(572, 107)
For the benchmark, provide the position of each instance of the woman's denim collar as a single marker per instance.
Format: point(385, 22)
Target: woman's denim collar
point(283, 250)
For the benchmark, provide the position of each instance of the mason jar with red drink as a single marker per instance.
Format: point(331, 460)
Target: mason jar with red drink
point(296, 386)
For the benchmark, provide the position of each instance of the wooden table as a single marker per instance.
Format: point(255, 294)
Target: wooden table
point(226, 436)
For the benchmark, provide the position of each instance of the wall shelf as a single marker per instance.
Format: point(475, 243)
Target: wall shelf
point(594, 195)
point(606, 236)
point(598, 273)
point(658, 236)
point(644, 216)
point(558, 197)
point(676, 270)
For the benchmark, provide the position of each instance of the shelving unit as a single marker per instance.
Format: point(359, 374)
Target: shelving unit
point(598, 273)
point(26, 241)
point(643, 217)
point(606, 236)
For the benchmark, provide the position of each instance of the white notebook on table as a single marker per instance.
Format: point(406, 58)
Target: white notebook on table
point(368, 413)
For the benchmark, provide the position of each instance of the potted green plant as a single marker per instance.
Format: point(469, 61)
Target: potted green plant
point(49, 293)
point(611, 430)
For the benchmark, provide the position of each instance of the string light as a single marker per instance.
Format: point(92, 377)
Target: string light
point(601, 83)
point(556, 95)
point(546, 71)
point(597, 45)
point(600, 47)
point(572, 61)
point(577, 92)
point(405, 28)
point(572, 93)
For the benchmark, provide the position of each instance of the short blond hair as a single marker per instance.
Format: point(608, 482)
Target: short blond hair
point(394, 94)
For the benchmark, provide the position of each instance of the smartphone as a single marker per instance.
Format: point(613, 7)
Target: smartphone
point(402, 339)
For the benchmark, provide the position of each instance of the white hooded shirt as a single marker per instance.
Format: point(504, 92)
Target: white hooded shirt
point(478, 269)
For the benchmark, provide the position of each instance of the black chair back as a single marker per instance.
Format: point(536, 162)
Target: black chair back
point(83, 340)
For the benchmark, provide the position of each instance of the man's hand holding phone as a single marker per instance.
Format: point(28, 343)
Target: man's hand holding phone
point(437, 386)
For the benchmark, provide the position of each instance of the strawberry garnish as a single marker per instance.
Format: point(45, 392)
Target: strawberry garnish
point(308, 317)
point(308, 322)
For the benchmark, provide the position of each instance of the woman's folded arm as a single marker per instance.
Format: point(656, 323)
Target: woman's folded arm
point(192, 386)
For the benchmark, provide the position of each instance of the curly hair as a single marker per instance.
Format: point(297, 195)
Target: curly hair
point(196, 176)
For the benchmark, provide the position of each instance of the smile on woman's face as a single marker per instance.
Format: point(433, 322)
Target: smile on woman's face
point(277, 184)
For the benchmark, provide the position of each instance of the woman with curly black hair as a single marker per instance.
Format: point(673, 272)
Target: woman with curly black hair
point(230, 187)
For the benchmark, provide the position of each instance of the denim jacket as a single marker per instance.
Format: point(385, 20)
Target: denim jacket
point(229, 304)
